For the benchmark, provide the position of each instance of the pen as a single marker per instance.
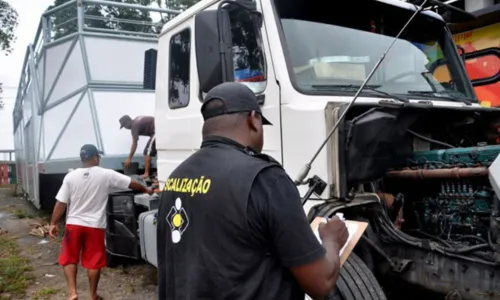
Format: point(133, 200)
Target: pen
point(326, 219)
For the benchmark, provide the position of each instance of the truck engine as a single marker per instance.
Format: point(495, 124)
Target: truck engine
point(422, 180)
point(451, 197)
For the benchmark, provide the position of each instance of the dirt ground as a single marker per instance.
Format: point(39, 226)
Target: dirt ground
point(28, 264)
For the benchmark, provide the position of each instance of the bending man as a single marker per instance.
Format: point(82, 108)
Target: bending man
point(141, 126)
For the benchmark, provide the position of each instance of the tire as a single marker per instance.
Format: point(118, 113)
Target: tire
point(356, 282)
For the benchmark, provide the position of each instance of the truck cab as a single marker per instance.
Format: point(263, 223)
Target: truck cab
point(415, 146)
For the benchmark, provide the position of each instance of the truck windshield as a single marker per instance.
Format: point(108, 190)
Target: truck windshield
point(329, 52)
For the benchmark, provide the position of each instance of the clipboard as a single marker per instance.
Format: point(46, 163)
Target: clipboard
point(356, 230)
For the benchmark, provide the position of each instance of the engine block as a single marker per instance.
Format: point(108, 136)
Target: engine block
point(460, 208)
point(456, 157)
point(460, 205)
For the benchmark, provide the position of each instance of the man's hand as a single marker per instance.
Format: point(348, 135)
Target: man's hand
point(127, 163)
point(150, 191)
point(335, 230)
point(53, 231)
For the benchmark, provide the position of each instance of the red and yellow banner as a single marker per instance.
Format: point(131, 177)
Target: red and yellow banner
point(485, 66)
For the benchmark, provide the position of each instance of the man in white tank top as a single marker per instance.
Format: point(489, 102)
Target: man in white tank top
point(86, 190)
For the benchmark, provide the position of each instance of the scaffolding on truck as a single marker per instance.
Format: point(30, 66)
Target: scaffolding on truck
point(75, 84)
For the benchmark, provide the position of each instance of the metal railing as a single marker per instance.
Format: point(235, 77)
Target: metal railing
point(7, 156)
point(91, 18)
point(8, 173)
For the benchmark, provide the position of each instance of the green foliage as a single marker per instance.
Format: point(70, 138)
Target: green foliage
point(127, 18)
point(8, 25)
point(65, 22)
point(14, 271)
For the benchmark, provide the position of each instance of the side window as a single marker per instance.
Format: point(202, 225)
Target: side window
point(178, 74)
point(248, 59)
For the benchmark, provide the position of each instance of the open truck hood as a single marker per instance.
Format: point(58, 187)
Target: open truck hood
point(373, 139)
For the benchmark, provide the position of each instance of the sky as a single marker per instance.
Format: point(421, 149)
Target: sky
point(10, 66)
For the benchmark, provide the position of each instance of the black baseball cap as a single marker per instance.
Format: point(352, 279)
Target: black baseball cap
point(124, 120)
point(236, 97)
point(89, 151)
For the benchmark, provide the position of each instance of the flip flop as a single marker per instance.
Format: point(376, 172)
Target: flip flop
point(75, 297)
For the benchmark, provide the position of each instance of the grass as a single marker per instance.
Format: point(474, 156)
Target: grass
point(17, 212)
point(15, 273)
point(22, 214)
point(44, 294)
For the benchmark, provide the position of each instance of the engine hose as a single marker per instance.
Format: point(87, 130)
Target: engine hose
point(403, 237)
point(438, 248)
point(490, 243)
point(445, 243)
point(414, 241)
point(472, 237)
point(466, 249)
point(483, 255)
point(400, 236)
point(480, 261)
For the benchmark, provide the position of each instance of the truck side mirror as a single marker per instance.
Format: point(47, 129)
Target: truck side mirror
point(213, 42)
point(149, 79)
point(476, 63)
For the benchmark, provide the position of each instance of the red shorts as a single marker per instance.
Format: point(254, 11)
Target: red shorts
point(87, 241)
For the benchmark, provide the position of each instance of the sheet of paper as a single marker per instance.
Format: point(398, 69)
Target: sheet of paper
point(352, 228)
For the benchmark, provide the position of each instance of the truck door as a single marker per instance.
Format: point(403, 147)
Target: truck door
point(253, 66)
point(179, 94)
point(122, 228)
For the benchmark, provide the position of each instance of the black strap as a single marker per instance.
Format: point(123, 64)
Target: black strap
point(214, 112)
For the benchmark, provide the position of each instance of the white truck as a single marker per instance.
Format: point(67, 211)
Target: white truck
point(411, 156)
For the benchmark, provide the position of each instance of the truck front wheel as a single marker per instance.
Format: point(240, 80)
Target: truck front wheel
point(357, 282)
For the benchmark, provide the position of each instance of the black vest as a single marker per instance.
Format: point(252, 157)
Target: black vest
point(202, 225)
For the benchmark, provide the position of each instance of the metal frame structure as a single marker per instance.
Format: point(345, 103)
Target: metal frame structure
point(51, 78)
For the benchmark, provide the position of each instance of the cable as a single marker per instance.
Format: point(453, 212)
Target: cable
point(445, 243)
point(377, 249)
point(452, 252)
point(472, 237)
point(424, 138)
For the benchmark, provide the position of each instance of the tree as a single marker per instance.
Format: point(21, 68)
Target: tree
point(64, 22)
point(179, 5)
point(124, 18)
point(8, 25)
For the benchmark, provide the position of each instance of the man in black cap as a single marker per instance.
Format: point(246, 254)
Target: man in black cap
point(230, 221)
point(86, 190)
point(140, 126)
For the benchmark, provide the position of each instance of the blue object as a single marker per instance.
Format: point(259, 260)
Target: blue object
point(89, 151)
point(248, 75)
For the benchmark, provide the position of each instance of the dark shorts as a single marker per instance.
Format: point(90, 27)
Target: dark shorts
point(150, 148)
point(86, 243)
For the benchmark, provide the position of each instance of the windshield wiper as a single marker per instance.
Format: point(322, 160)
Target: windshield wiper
point(439, 95)
point(372, 88)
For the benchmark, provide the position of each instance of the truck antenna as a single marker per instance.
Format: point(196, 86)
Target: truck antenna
point(307, 167)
